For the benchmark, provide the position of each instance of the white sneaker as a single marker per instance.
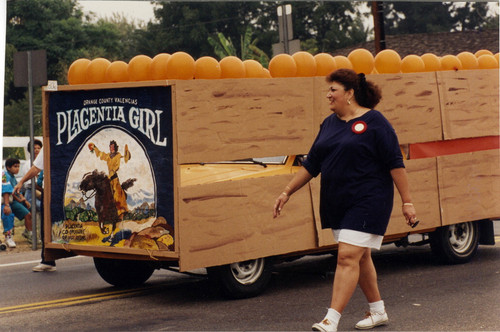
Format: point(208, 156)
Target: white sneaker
point(324, 326)
point(9, 241)
point(44, 268)
point(371, 320)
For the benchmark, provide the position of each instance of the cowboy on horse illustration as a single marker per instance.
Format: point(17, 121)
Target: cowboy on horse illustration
point(113, 159)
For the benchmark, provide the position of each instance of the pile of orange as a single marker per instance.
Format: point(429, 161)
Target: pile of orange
point(182, 66)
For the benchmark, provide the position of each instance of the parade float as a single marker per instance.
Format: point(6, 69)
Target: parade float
point(175, 163)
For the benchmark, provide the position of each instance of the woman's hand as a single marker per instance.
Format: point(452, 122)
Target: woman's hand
point(280, 202)
point(410, 214)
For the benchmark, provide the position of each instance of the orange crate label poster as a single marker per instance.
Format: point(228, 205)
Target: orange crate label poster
point(111, 168)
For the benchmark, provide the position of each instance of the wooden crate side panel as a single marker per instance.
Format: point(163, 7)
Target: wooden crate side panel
point(469, 101)
point(227, 222)
point(469, 186)
point(411, 104)
point(423, 181)
point(235, 119)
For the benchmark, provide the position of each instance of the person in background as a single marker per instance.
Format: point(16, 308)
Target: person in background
point(20, 205)
point(45, 265)
point(359, 158)
point(37, 146)
point(7, 215)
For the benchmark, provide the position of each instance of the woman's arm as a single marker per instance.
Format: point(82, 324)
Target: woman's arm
point(298, 181)
point(400, 178)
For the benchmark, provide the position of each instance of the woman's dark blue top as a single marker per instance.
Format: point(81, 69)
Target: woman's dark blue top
point(357, 189)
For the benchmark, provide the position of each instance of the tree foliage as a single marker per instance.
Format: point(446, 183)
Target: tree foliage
point(429, 17)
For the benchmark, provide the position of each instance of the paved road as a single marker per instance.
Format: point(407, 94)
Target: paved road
point(419, 293)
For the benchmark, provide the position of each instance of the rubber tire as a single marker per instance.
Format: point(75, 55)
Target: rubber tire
point(455, 244)
point(243, 279)
point(123, 273)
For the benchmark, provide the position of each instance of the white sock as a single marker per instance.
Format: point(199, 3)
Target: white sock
point(377, 307)
point(333, 316)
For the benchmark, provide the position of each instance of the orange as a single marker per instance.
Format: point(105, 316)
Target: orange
point(487, 61)
point(342, 62)
point(468, 60)
point(253, 69)
point(77, 72)
point(180, 66)
point(431, 62)
point(388, 61)
point(232, 67)
point(267, 73)
point(96, 70)
point(117, 71)
point(482, 52)
point(158, 67)
point(139, 68)
point(362, 61)
point(207, 68)
point(306, 64)
point(325, 64)
point(412, 64)
point(282, 65)
point(450, 62)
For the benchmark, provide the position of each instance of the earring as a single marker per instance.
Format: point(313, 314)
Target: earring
point(349, 102)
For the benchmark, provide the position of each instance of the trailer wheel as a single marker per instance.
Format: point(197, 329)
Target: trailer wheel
point(455, 244)
point(242, 279)
point(123, 273)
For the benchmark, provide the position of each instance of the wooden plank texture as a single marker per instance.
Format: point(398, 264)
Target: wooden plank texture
point(469, 101)
point(423, 181)
point(411, 104)
point(226, 222)
point(469, 186)
point(234, 118)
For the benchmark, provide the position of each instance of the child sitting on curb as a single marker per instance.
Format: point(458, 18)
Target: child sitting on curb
point(20, 205)
point(7, 215)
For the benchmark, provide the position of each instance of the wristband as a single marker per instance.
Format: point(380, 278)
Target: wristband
point(408, 204)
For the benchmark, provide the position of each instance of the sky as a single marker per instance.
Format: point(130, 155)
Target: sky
point(136, 10)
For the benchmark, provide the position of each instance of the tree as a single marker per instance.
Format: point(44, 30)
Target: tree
point(332, 25)
point(59, 27)
point(428, 17)
point(186, 26)
point(224, 47)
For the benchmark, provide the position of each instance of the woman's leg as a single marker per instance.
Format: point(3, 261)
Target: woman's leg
point(368, 284)
point(368, 278)
point(346, 275)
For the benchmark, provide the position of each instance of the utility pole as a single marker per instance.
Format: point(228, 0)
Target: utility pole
point(378, 23)
point(30, 69)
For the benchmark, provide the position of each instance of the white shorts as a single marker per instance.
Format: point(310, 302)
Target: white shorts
point(357, 238)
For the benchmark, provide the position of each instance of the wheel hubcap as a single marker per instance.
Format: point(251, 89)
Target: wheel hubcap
point(461, 237)
point(247, 272)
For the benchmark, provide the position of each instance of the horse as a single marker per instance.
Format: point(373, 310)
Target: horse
point(104, 200)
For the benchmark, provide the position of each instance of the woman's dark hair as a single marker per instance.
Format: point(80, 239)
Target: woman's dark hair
point(367, 94)
point(35, 142)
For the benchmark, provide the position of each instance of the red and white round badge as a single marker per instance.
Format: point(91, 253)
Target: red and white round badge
point(359, 127)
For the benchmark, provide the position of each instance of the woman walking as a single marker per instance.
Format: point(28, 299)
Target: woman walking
point(359, 158)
